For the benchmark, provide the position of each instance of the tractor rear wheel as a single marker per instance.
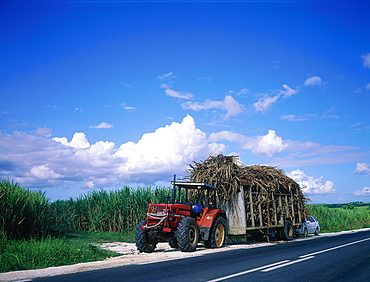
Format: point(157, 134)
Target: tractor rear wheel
point(217, 234)
point(144, 242)
point(187, 234)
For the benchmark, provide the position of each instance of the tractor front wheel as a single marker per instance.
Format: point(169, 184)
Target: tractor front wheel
point(187, 234)
point(217, 234)
point(144, 242)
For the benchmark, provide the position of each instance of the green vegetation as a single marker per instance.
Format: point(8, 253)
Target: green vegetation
point(23, 213)
point(341, 217)
point(112, 211)
point(35, 233)
point(34, 254)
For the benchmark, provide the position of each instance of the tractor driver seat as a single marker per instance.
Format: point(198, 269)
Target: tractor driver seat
point(196, 208)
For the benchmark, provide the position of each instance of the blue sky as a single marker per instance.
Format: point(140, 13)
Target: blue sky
point(111, 93)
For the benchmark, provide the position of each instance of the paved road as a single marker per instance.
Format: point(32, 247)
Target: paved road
point(337, 258)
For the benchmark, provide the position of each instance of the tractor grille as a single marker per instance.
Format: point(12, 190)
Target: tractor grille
point(156, 215)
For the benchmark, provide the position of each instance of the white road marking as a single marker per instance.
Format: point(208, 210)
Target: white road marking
point(286, 264)
point(247, 271)
point(334, 248)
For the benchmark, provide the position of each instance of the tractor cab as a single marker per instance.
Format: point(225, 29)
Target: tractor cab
point(200, 191)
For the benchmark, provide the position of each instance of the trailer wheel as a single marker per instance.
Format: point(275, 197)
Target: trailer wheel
point(187, 234)
point(173, 243)
point(144, 242)
point(217, 234)
point(288, 231)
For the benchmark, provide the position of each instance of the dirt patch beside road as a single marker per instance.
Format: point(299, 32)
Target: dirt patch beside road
point(130, 255)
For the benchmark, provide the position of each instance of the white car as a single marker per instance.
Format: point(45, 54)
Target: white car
point(310, 226)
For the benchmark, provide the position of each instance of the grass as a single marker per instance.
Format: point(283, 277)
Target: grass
point(100, 237)
point(35, 254)
point(340, 219)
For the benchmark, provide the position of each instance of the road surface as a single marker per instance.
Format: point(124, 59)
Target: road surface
point(339, 258)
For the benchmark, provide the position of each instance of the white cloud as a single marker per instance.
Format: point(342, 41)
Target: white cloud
point(363, 192)
point(169, 148)
point(312, 185)
point(293, 118)
point(366, 60)
point(367, 87)
point(288, 91)
point(312, 81)
point(102, 125)
point(79, 140)
point(362, 168)
point(127, 107)
point(43, 131)
point(265, 103)
point(269, 145)
point(229, 104)
point(36, 161)
point(43, 172)
point(166, 76)
point(266, 145)
point(176, 94)
point(242, 91)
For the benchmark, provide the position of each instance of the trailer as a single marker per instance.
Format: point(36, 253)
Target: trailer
point(259, 201)
point(256, 213)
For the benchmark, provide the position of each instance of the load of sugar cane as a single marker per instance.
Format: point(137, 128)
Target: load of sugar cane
point(270, 196)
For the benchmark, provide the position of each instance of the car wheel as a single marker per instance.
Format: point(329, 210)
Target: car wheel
point(317, 231)
point(305, 232)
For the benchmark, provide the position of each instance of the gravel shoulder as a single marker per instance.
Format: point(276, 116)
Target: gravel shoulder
point(129, 255)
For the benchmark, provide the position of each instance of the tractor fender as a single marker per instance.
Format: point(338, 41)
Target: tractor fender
point(205, 223)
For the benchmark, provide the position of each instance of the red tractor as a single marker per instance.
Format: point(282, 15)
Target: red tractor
point(182, 224)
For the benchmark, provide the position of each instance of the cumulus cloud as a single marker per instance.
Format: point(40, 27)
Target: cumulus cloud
point(229, 104)
point(269, 145)
point(366, 60)
point(102, 125)
point(167, 148)
point(312, 81)
point(362, 168)
point(36, 161)
point(363, 192)
point(79, 140)
point(312, 185)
